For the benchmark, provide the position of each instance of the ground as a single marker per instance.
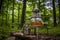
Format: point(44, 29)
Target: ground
point(33, 37)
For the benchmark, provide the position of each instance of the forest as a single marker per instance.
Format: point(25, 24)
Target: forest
point(15, 13)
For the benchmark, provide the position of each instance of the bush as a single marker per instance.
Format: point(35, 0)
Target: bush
point(4, 32)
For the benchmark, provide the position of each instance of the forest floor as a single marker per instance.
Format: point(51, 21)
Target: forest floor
point(34, 37)
point(11, 38)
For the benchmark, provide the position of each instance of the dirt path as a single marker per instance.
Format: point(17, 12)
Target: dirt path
point(33, 37)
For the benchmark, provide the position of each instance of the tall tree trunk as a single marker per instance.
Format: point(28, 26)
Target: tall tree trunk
point(1, 10)
point(18, 14)
point(39, 5)
point(54, 13)
point(59, 10)
point(23, 13)
point(7, 14)
point(1, 3)
point(13, 15)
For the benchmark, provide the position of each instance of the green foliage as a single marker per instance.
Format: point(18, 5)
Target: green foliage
point(51, 30)
point(5, 30)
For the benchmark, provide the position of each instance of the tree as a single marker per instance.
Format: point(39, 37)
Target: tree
point(13, 14)
point(23, 13)
point(18, 13)
point(59, 9)
point(1, 10)
point(1, 3)
point(54, 13)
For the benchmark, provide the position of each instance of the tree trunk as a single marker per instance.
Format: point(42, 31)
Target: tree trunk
point(59, 10)
point(1, 10)
point(54, 13)
point(7, 14)
point(39, 5)
point(13, 15)
point(1, 3)
point(18, 14)
point(23, 13)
